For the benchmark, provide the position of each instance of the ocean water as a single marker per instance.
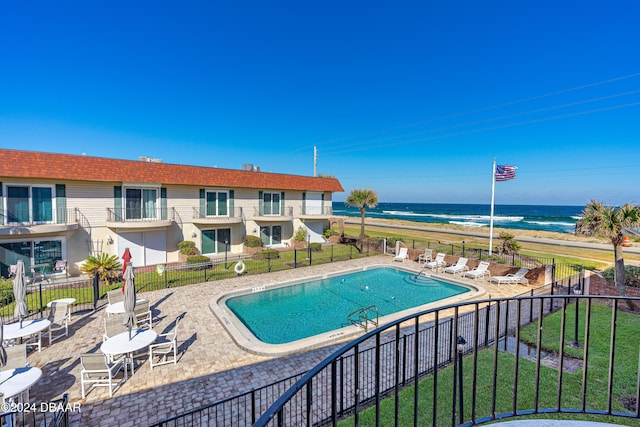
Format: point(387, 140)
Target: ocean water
point(520, 217)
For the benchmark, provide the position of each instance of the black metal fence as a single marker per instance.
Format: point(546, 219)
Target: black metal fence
point(418, 379)
point(395, 352)
point(54, 413)
point(90, 293)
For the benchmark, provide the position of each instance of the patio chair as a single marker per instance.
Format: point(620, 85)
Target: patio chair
point(12, 270)
point(480, 271)
point(143, 315)
point(113, 325)
point(60, 266)
point(403, 255)
point(16, 356)
point(59, 318)
point(115, 296)
point(437, 262)
point(165, 347)
point(426, 256)
point(97, 371)
point(458, 267)
point(512, 279)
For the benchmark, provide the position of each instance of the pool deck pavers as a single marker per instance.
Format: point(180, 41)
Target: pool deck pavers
point(211, 367)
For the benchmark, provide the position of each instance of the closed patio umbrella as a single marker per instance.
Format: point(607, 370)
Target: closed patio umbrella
point(3, 353)
point(129, 299)
point(20, 292)
point(126, 258)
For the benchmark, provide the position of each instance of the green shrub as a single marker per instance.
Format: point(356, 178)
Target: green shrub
point(300, 235)
point(252, 241)
point(316, 247)
point(631, 275)
point(199, 262)
point(6, 292)
point(391, 240)
point(187, 247)
point(270, 254)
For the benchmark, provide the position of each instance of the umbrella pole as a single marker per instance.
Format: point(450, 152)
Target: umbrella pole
point(129, 332)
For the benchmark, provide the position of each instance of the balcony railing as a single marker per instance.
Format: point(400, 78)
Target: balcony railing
point(489, 360)
point(140, 215)
point(231, 213)
point(316, 210)
point(286, 212)
point(55, 216)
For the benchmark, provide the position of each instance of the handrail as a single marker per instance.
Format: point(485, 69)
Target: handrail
point(362, 319)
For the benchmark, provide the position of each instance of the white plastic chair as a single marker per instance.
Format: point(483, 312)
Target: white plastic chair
point(402, 255)
point(480, 271)
point(459, 267)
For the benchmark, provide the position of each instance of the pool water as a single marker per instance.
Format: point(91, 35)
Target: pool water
point(290, 313)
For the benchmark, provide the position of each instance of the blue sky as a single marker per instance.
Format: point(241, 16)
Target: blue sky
point(413, 99)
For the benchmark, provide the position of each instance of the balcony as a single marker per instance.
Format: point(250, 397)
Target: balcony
point(266, 215)
point(235, 216)
point(56, 221)
point(316, 212)
point(140, 218)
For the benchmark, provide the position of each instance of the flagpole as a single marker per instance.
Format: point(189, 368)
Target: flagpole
point(493, 190)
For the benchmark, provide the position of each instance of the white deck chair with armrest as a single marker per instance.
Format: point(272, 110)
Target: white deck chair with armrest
point(59, 318)
point(512, 279)
point(458, 267)
point(165, 347)
point(426, 256)
point(97, 371)
point(437, 262)
point(480, 271)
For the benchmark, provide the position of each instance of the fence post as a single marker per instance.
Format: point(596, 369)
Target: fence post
point(40, 287)
point(269, 263)
point(350, 250)
point(96, 289)
point(463, 248)
point(331, 253)
point(452, 249)
point(295, 258)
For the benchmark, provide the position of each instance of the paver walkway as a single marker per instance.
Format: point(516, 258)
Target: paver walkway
point(211, 366)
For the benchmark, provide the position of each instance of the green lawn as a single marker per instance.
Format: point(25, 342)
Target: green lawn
point(625, 376)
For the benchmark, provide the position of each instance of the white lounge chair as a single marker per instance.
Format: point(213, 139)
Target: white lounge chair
point(436, 263)
point(458, 267)
point(480, 271)
point(512, 279)
point(59, 318)
point(165, 347)
point(403, 255)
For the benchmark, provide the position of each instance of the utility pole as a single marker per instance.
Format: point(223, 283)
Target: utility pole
point(315, 160)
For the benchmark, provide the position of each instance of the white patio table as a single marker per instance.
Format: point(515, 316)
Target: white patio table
point(118, 307)
point(13, 331)
point(13, 382)
point(121, 344)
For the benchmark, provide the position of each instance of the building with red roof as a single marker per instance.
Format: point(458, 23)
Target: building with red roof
point(65, 207)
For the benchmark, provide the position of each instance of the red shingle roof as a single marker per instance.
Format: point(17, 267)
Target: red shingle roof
point(31, 164)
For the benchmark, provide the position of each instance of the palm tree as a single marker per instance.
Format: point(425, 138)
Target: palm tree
point(509, 243)
point(610, 222)
point(362, 199)
point(104, 264)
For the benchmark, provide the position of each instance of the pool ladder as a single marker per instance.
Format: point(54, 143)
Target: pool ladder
point(364, 317)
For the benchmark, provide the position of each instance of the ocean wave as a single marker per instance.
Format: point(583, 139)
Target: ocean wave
point(404, 213)
point(496, 218)
point(558, 223)
point(468, 224)
point(578, 217)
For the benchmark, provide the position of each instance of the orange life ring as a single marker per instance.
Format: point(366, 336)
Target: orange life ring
point(625, 241)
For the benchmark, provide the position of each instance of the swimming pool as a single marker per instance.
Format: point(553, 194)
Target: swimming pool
point(289, 316)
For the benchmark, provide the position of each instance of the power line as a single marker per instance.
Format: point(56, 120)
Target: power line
point(477, 110)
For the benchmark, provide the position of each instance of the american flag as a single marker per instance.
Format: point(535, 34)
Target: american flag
point(505, 173)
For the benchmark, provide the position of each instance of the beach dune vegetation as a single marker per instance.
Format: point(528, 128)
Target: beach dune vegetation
point(610, 222)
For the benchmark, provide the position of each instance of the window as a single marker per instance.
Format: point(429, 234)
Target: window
point(216, 241)
point(271, 203)
point(271, 235)
point(217, 203)
point(141, 203)
point(30, 252)
point(28, 204)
